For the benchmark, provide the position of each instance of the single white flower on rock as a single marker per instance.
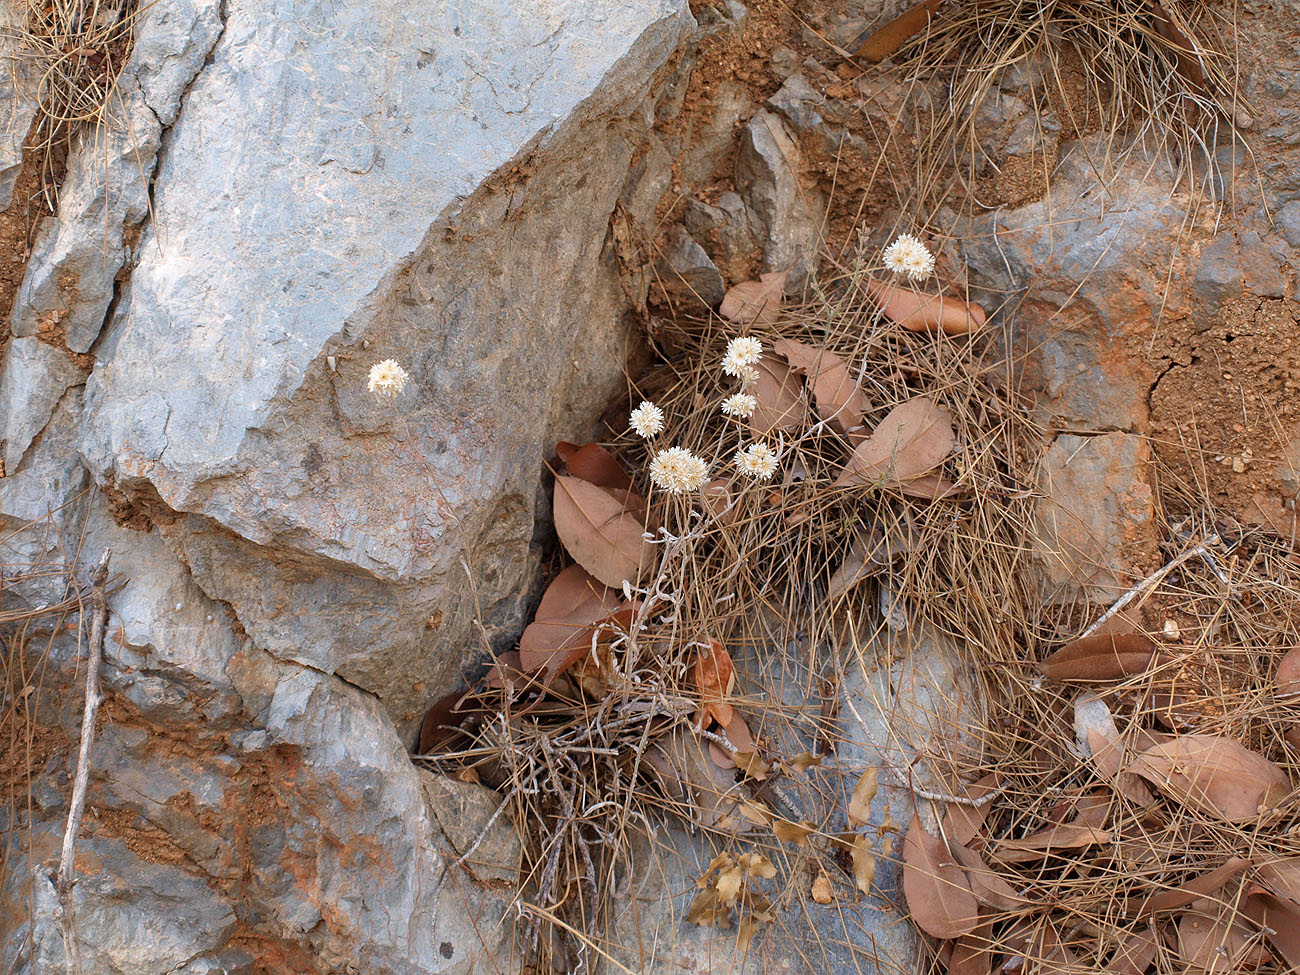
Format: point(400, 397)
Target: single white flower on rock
point(387, 378)
point(677, 470)
point(909, 257)
point(647, 420)
point(740, 405)
point(741, 354)
point(757, 461)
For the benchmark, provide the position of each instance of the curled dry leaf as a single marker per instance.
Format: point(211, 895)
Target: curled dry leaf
point(594, 464)
point(796, 833)
point(860, 800)
point(918, 312)
point(601, 531)
point(804, 761)
point(441, 723)
point(913, 439)
point(864, 863)
point(714, 678)
point(755, 302)
point(821, 888)
point(1037, 846)
point(1214, 775)
point(1286, 685)
point(938, 894)
point(835, 392)
point(780, 397)
point(888, 39)
point(1103, 657)
point(1282, 877)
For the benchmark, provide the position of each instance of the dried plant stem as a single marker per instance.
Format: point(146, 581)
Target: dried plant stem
point(1152, 580)
point(66, 878)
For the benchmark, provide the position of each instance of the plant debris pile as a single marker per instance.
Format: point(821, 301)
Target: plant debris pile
point(803, 478)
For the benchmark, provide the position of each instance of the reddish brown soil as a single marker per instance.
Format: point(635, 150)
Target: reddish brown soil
point(17, 229)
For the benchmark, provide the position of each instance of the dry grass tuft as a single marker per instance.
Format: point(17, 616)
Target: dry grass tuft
point(73, 51)
point(1155, 78)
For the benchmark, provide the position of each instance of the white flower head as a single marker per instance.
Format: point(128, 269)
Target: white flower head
point(748, 377)
point(757, 461)
point(387, 378)
point(647, 420)
point(677, 470)
point(740, 405)
point(741, 353)
point(908, 256)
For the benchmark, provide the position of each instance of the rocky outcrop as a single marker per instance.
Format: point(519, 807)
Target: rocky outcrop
point(287, 196)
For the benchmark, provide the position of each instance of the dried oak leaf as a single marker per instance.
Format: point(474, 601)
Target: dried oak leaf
point(1135, 955)
point(594, 464)
point(988, 886)
point(973, 954)
point(602, 530)
point(821, 888)
point(913, 439)
point(442, 722)
point(796, 833)
point(1103, 657)
point(918, 312)
point(1215, 775)
point(839, 400)
point(1215, 938)
point(1282, 877)
point(755, 302)
point(938, 894)
point(1204, 885)
point(780, 398)
point(962, 823)
point(714, 678)
point(888, 39)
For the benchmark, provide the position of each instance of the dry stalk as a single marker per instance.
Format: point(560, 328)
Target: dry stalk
point(95, 651)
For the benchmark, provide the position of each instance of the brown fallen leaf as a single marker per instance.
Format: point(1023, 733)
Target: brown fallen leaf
point(1037, 846)
point(572, 602)
point(714, 678)
point(804, 761)
point(594, 464)
point(752, 765)
point(839, 400)
point(938, 894)
point(779, 392)
point(441, 723)
point(602, 533)
point(1279, 919)
point(1215, 775)
point(913, 439)
point(864, 863)
point(923, 312)
point(1108, 757)
point(1205, 885)
point(1103, 657)
point(962, 823)
point(755, 302)
point(1286, 684)
point(1186, 62)
point(1213, 938)
point(1135, 955)
point(1282, 877)
point(888, 39)
point(973, 954)
point(988, 886)
point(860, 801)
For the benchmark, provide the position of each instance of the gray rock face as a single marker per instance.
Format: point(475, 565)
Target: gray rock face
point(33, 379)
point(768, 164)
point(352, 219)
point(1096, 522)
point(16, 110)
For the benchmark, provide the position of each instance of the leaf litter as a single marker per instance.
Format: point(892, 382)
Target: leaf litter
point(1149, 824)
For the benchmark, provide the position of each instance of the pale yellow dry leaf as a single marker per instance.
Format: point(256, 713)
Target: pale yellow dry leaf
point(860, 801)
point(728, 884)
point(821, 888)
point(864, 863)
point(757, 865)
point(796, 833)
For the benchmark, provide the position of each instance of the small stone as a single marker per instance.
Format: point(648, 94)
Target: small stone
point(1172, 630)
point(821, 888)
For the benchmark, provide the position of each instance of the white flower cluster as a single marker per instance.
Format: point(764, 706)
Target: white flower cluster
point(647, 420)
point(387, 379)
point(757, 461)
point(677, 470)
point(740, 405)
point(741, 357)
point(909, 257)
